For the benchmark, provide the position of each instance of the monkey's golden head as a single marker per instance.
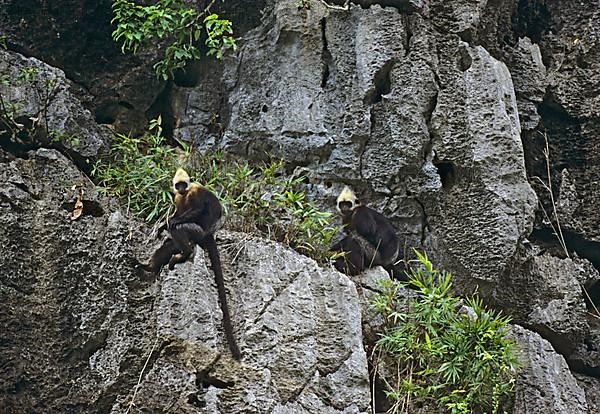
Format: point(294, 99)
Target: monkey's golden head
point(346, 201)
point(181, 181)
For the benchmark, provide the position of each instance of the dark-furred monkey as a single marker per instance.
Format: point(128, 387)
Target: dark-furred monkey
point(370, 238)
point(198, 214)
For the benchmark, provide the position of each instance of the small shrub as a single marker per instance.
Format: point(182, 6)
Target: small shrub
point(140, 26)
point(138, 172)
point(31, 131)
point(459, 362)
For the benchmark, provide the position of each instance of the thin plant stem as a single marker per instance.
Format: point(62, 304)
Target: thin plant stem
point(555, 228)
point(137, 387)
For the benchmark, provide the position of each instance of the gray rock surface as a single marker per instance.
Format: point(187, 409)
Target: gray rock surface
point(487, 205)
point(569, 40)
point(591, 386)
point(586, 357)
point(544, 384)
point(47, 104)
point(82, 325)
point(65, 288)
point(551, 301)
point(529, 77)
point(438, 114)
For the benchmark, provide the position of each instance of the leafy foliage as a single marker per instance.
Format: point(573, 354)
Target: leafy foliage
point(304, 4)
point(461, 362)
point(138, 172)
point(219, 35)
point(139, 26)
point(258, 199)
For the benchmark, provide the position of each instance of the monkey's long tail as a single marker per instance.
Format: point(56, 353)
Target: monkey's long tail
point(215, 261)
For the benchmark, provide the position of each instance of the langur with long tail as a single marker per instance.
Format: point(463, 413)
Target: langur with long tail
point(198, 214)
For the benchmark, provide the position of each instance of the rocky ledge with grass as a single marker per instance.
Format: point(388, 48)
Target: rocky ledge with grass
point(87, 331)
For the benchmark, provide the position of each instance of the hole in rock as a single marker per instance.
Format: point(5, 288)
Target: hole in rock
point(382, 84)
point(447, 171)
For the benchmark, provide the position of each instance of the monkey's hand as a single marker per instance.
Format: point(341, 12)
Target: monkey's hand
point(335, 247)
point(159, 231)
point(172, 223)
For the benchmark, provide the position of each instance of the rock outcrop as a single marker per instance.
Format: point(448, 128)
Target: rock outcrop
point(473, 125)
point(544, 384)
point(82, 324)
point(42, 102)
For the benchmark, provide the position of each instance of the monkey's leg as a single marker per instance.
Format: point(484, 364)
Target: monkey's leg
point(162, 256)
point(371, 254)
point(347, 265)
point(352, 262)
point(398, 271)
point(389, 252)
point(183, 243)
point(195, 232)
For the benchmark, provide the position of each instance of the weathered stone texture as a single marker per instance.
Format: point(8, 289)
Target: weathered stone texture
point(82, 325)
point(544, 384)
point(42, 99)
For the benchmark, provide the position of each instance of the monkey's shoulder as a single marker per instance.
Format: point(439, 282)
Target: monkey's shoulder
point(363, 212)
point(368, 211)
point(196, 191)
point(191, 197)
point(370, 222)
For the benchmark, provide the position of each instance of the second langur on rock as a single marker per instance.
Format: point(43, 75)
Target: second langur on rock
point(370, 238)
point(198, 214)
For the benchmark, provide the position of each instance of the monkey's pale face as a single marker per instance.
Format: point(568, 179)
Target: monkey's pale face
point(345, 207)
point(181, 187)
point(181, 181)
point(346, 201)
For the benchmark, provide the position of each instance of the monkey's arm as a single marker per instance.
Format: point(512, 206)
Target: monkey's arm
point(162, 228)
point(192, 215)
point(335, 247)
point(364, 224)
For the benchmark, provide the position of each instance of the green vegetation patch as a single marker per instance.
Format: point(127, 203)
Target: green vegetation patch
point(182, 27)
point(138, 172)
point(451, 358)
point(258, 199)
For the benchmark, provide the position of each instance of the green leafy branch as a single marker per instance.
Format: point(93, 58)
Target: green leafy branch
point(139, 26)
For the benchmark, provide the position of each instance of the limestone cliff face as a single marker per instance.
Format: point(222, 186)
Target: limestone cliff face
point(439, 114)
point(82, 325)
